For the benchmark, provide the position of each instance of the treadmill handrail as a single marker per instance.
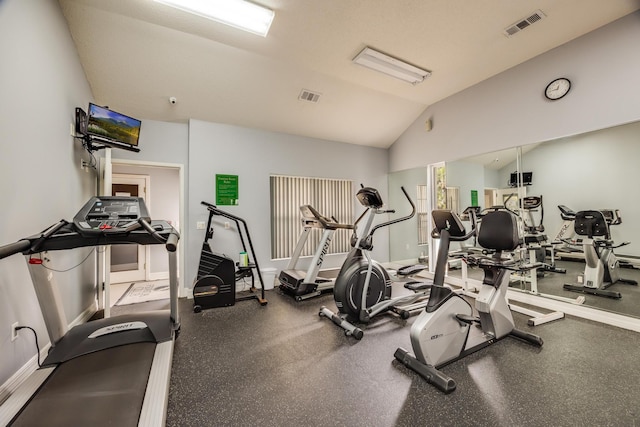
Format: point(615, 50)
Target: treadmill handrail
point(14, 248)
point(171, 241)
point(326, 222)
point(30, 245)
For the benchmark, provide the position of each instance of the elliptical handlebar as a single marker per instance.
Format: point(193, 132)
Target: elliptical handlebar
point(393, 221)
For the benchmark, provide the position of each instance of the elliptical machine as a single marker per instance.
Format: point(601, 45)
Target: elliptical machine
point(363, 287)
point(442, 333)
point(532, 214)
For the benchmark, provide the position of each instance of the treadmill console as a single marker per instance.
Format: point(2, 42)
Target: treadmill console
point(110, 214)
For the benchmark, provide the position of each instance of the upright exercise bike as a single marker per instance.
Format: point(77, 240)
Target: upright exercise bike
point(363, 287)
point(442, 333)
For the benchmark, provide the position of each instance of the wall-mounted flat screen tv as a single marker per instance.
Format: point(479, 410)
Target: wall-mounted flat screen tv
point(111, 127)
point(526, 179)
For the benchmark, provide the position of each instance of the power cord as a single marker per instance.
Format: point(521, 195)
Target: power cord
point(70, 268)
point(36, 337)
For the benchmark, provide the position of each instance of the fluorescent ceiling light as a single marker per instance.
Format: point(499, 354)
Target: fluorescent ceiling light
point(236, 13)
point(391, 66)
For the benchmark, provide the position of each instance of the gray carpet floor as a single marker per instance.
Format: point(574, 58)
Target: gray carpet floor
point(283, 365)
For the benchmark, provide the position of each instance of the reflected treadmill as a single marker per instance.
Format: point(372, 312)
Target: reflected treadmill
point(113, 371)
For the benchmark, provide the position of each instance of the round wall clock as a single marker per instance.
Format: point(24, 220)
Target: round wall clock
point(557, 88)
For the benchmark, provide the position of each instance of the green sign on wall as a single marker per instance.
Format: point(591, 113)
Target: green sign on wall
point(226, 190)
point(474, 197)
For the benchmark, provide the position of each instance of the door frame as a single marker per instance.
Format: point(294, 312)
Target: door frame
point(144, 256)
point(106, 172)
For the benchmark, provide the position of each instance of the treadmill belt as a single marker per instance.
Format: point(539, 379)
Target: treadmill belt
point(102, 388)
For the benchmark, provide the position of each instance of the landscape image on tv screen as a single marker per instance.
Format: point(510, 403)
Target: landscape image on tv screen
point(114, 126)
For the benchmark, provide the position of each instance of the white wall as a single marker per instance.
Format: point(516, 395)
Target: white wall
point(510, 109)
point(160, 142)
point(41, 83)
point(254, 155)
point(403, 244)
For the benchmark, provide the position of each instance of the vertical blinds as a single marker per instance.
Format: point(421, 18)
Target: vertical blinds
point(330, 197)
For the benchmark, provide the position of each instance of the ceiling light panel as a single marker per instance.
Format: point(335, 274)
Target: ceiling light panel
point(391, 66)
point(240, 14)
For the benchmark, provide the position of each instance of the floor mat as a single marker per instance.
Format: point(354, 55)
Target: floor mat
point(145, 291)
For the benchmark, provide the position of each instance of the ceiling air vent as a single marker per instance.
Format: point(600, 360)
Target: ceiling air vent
point(524, 23)
point(307, 95)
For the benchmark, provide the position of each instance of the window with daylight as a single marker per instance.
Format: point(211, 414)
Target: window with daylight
point(423, 215)
point(331, 197)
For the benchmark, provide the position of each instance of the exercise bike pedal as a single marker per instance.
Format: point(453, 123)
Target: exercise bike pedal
point(469, 320)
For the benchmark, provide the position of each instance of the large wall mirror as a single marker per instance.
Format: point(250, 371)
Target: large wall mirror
point(592, 171)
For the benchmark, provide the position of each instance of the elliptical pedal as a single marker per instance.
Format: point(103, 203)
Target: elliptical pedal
point(469, 320)
point(417, 286)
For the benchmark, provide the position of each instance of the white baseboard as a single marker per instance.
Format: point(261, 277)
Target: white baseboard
point(14, 382)
point(159, 275)
point(573, 309)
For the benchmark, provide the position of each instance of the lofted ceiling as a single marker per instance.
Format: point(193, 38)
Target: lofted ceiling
point(138, 53)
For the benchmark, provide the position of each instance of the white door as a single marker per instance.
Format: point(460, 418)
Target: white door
point(128, 262)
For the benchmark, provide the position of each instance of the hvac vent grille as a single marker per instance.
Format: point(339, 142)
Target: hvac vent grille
point(523, 23)
point(307, 95)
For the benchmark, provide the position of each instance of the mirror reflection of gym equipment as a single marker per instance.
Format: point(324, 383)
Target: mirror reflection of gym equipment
point(563, 194)
point(602, 266)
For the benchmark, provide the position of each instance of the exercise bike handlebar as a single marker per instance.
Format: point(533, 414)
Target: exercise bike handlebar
point(393, 221)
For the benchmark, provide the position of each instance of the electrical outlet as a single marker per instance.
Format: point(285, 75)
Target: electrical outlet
point(14, 331)
point(200, 225)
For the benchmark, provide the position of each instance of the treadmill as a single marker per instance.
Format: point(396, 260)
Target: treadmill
point(111, 371)
point(302, 284)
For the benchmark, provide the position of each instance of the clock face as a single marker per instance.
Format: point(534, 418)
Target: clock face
point(557, 88)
